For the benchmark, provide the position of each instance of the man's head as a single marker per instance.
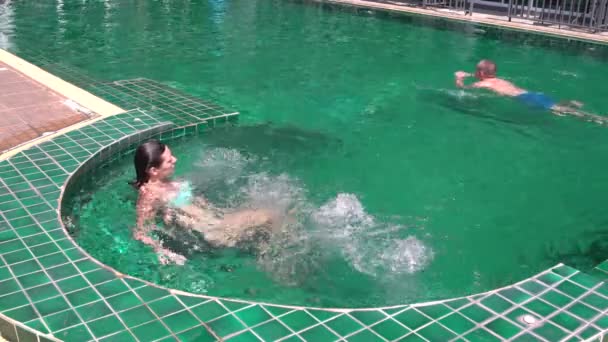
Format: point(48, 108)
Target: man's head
point(485, 69)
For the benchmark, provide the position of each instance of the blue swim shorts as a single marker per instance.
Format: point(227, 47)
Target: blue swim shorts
point(536, 100)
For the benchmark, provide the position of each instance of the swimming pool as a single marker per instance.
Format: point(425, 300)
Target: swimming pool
point(361, 105)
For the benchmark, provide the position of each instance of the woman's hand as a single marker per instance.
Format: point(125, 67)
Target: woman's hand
point(166, 257)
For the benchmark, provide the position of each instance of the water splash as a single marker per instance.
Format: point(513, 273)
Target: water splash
point(371, 247)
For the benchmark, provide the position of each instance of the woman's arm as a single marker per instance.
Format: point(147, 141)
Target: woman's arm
point(146, 211)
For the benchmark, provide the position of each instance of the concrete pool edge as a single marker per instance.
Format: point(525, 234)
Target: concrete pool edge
point(96, 105)
point(476, 18)
point(422, 320)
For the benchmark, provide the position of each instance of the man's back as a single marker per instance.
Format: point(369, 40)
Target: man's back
point(500, 86)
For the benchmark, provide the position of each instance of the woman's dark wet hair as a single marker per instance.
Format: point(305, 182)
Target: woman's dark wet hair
point(147, 155)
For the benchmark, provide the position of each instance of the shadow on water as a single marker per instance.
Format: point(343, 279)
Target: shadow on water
point(591, 251)
point(490, 108)
point(263, 139)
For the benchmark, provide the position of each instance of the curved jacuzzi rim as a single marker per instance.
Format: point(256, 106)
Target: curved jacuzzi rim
point(168, 127)
point(97, 158)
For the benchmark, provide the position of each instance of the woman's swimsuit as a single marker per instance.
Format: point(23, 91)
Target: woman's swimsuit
point(184, 196)
point(207, 216)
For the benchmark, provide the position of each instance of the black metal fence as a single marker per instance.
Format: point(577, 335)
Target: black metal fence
point(589, 15)
point(586, 14)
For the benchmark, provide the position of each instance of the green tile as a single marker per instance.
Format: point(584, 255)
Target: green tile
point(525, 338)
point(368, 317)
point(29, 230)
point(12, 246)
point(209, 311)
point(166, 306)
point(271, 331)
point(77, 333)
point(571, 289)
point(124, 301)
point(564, 270)
point(181, 321)
point(549, 278)
point(596, 301)
point(503, 328)
point(86, 265)
point(22, 268)
point(124, 336)
point(343, 325)
point(434, 311)
point(137, 316)
point(602, 322)
point(44, 249)
point(22, 314)
point(413, 337)
point(100, 276)
point(516, 316)
point(150, 293)
point(62, 320)
point(364, 336)
point(7, 235)
point(232, 305)
point(496, 303)
point(53, 260)
point(9, 286)
point(556, 299)
point(42, 292)
point(192, 300)
point(476, 313)
point(390, 329)
point(318, 333)
point(150, 331)
point(106, 326)
point(93, 310)
point(253, 315)
point(540, 307)
point(12, 301)
point(4, 274)
point(435, 332)
point(298, 320)
point(15, 213)
point(412, 319)
point(457, 323)
point(112, 288)
point(583, 311)
point(322, 315)
point(33, 279)
point(603, 290)
point(84, 296)
point(588, 332)
point(566, 321)
point(51, 306)
point(246, 337)
point(550, 332)
point(38, 326)
point(226, 325)
point(72, 284)
point(514, 295)
point(480, 335)
point(62, 272)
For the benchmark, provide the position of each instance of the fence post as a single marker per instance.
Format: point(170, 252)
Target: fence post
point(510, 5)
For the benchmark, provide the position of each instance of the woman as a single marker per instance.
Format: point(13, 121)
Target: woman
point(175, 203)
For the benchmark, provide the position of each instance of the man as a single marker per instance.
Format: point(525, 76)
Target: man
point(486, 75)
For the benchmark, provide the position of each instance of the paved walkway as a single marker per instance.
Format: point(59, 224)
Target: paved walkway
point(29, 109)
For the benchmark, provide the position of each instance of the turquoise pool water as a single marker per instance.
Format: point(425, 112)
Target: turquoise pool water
point(410, 190)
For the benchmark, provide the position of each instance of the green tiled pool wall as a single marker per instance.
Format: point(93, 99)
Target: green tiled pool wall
point(50, 289)
point(50, 285)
